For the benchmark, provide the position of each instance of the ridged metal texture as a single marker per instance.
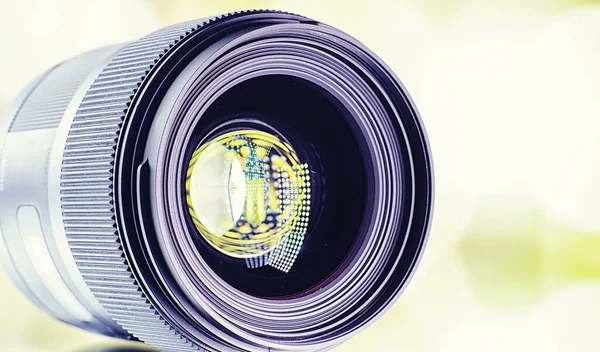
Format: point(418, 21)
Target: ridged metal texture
point(87, 188)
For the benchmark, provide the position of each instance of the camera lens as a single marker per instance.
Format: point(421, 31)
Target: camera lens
point(256, 181)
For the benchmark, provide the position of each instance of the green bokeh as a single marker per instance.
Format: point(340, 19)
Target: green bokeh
point(516, 254)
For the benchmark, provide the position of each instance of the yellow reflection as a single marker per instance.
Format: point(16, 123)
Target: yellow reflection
point(248, 196)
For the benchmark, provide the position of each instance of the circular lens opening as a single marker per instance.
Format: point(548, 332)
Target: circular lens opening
point(264, 139)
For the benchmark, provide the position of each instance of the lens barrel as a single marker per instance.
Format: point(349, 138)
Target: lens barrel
point(255, 181)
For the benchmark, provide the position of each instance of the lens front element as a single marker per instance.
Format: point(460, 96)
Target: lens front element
point(249, 197)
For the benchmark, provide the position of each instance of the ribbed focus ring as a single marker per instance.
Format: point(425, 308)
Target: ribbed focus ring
point(87, 188)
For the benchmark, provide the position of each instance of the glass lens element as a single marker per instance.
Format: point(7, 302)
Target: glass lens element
point(248, 195)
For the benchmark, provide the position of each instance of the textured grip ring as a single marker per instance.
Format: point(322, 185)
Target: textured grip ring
point(87, 188)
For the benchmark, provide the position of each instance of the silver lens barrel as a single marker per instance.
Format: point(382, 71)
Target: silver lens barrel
point(93, 218)
point(35, 249)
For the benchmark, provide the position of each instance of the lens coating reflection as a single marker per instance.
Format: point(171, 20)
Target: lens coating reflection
point(321, 136)
point(249, 197)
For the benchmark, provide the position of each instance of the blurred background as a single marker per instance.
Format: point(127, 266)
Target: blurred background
point(510, 94)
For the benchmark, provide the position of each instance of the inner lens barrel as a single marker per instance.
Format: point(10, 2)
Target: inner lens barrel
point(256, 181)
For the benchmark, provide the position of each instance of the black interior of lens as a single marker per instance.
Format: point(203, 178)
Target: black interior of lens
point(319, 130)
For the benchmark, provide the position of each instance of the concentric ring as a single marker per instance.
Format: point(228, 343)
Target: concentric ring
point(370, 278)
